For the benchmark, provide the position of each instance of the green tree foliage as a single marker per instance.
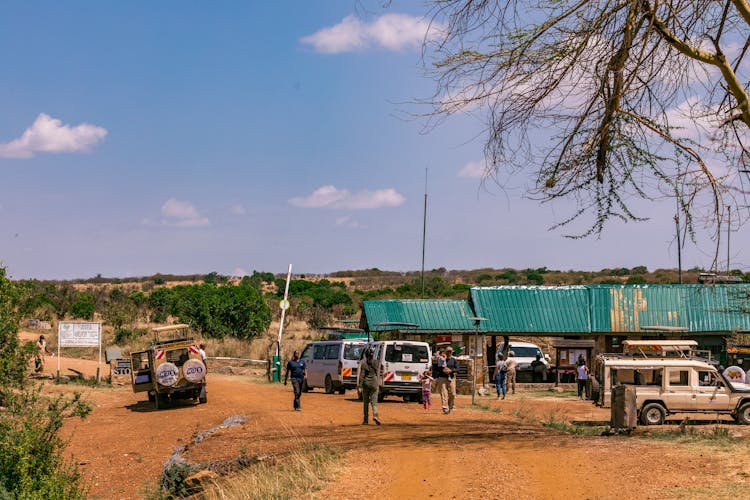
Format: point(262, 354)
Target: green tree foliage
point(31, 451)
point(83, 307)
point(323, 293)
point(220, 311)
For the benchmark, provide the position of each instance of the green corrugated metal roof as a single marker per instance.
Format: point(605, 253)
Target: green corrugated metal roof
point(698, 308)
point(432, 315)
point(581, 309)
point(532, 309)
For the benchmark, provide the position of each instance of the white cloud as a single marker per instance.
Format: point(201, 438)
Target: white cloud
point(237, 209)
point(49, 135)
point(473, 170)
point(389, 31)
point(332, 197)
point(181, 214)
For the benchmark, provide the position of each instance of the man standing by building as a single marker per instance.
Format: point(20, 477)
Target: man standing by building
point(447, 381)
point(298, 371)
point(510, 375)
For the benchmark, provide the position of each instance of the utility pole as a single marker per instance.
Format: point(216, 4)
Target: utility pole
point(679, 248)
point(729, 228)
point(424, 227)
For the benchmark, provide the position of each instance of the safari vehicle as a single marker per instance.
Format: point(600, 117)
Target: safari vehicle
point(170, 369)
point(671, 384)
point(399, 364)
point(332, 364)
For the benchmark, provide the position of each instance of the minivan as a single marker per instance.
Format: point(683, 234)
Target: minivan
point(525, 353)
point(332, 364)
point(399, 364)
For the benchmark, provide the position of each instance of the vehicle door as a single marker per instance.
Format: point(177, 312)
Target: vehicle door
point(331, 362)
point(316, 368)
point(307, 356)
point(710, 393)
point(677, 391)
point(352, 353)
point(140, 371)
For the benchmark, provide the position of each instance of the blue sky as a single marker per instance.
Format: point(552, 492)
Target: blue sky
point(189, 137)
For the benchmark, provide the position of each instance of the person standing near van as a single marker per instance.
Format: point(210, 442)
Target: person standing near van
point(537, 369)
point(298, 370)
point(582, 377)
point(367, 382)
point(426, 379)
point(510, 375)
point(501, 370)
point(447, 381)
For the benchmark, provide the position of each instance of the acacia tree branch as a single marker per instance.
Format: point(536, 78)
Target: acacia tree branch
point(743, 8)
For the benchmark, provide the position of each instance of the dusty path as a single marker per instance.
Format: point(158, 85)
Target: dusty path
point(502, 452)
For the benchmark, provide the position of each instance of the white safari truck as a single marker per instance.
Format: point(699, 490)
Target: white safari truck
point(667, 379)
point(170, 369)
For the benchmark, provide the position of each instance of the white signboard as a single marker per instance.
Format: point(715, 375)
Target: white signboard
point(79, 334)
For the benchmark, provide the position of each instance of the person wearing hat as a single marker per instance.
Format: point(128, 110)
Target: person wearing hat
point(447, 381)
point(510, 375)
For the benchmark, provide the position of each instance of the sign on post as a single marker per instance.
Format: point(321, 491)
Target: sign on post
point(79, 334)
point(70, 334)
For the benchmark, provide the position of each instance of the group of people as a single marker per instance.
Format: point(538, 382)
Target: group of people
point(444, 371)
point(505, 374)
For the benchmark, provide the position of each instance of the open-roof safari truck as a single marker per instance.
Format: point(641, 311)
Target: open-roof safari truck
point(170, 369)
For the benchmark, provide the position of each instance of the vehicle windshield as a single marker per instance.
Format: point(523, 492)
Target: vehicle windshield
point(526, 352)
point(354, 351)
point(406, 353)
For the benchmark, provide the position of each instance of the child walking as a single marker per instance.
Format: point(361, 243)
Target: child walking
point(426, 380)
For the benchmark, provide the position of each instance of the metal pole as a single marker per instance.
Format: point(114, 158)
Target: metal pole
point(729, 227)
point(679, 249)
point(283, 311)
point(474, 371)
point(424, 227)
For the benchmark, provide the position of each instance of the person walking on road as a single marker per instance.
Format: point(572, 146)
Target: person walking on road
point(510, 375)
point(447, 381)
point(582, 377)
point(426, 379)
point(367, 382)
point(298, 371)
point(501, 370)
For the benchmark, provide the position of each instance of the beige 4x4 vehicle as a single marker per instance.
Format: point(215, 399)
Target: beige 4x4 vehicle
point(669, 385)
point(170, 369)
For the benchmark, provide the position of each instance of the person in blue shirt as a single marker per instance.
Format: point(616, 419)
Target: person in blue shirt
point(298, 371)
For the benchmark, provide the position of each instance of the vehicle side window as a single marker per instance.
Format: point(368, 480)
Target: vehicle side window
point(319, 352)
point(306, 352)
point(332, 351)
point(679, 377)
point(707, 378)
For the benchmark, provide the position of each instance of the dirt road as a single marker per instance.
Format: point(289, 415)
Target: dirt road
point(501, 451)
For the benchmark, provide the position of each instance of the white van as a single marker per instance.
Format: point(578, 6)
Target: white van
point(399, 364)
point(525, 353)
point(332, 364)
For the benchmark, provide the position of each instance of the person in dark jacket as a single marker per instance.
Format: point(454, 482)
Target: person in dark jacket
point(367, 382)
point(298, 371)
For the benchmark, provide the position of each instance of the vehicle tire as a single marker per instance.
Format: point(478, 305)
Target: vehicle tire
point(342, 390)
point(743, 414)
point(150, 397)
point(381, 397)
point(202, 397)
point(329, 385)
point(157, 401)
point(652, 414)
